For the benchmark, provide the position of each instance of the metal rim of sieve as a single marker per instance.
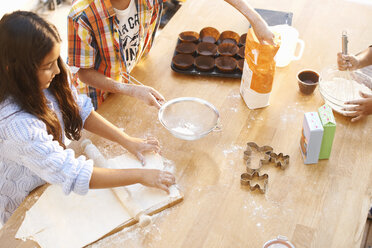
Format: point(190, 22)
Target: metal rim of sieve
point(188, 99)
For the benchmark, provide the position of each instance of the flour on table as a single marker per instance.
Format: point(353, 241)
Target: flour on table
point(59, 221)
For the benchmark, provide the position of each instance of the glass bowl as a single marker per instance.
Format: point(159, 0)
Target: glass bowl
point(337, 87)
point(335, 106)
point(343, 86)
point(189, 118)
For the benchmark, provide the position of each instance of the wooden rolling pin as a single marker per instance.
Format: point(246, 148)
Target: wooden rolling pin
point(122, 193)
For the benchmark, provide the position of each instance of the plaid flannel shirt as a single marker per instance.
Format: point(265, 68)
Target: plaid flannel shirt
point(93, 39)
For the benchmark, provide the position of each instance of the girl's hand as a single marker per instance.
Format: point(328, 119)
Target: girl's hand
point(363, 108)
point(157, 179)
point(148, 95)
point(139, 146)
point(347, 62)
point(263, 32)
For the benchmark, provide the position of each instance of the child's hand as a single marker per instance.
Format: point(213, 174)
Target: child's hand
point(148, 95)
point(139, 146)
point(347, 62)
point(363, 108)
point(158, 179)
point(263, 32)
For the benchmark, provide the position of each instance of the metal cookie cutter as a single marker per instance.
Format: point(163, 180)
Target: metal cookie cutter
point(279, 160)
point(246, 178)
point(264, 152)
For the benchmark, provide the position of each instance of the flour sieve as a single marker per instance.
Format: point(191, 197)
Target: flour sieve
point(189, 118)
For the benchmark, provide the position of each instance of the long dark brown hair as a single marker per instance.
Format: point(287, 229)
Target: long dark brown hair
point(25, 40)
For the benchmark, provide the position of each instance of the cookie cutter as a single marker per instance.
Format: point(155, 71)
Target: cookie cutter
point(279, 160)
point(246, 179)
point(265, 152)
point(267, 156)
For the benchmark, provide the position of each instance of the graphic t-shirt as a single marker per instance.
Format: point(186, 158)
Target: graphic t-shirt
point(129, 33)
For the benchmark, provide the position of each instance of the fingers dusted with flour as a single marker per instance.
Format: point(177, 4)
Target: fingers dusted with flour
point(158, 179)
point(139, 147)
point(95, 123)
point(147, 94)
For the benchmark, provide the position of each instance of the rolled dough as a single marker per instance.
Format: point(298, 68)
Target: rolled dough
point(60, 221)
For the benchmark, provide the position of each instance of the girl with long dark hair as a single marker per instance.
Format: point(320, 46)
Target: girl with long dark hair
point(38, 108)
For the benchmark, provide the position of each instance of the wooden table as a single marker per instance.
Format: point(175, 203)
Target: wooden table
point(322, 205)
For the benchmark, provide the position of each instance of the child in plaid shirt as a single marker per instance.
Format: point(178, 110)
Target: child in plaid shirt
point(106, 38)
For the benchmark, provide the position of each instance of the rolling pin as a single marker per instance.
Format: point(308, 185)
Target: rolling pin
point(122, 193)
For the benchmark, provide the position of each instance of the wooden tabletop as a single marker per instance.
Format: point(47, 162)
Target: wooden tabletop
point(321, 205)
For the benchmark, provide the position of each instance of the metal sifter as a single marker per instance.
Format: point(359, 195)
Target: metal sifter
point(189, 118)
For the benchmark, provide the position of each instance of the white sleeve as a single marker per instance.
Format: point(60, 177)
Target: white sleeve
point(84, 102)
point(30, 145)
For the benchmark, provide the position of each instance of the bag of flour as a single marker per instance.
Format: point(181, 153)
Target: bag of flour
point(258, 71)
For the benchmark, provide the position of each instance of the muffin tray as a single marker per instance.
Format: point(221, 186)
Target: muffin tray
point(224, 56)
point(192, 58)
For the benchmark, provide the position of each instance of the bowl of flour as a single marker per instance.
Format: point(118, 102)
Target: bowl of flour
point(337, 87)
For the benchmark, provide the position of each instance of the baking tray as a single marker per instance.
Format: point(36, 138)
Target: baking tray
point(272, 18)
point(215, 72)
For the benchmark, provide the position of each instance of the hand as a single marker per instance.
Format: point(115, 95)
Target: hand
point(363, 108)
point(139, 146)
point(158, 179)
point(263, 32)
point(148, 95)
point(347, 62)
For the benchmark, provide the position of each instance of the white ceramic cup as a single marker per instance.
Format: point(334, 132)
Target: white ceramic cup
point(289, 40)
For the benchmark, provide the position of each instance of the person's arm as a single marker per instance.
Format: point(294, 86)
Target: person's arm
point(365, 57)
point(259, 25)
point(97, 80)
point(107, 178)
point(354, 62)
point(110, 178)
point(96, 124)
point(82, 56)
point(30, 145)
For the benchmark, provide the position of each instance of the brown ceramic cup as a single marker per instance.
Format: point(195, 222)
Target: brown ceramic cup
point(204, 63)
point(209, 34)
point(307, 81)
point(227, 49)
point(229, 37)
point(225, 63)
point(206, 49)
point(240, 64)
point(186, 48)
point(189, 36)
point(183, 61)
point(242, 39)
point(241, 52)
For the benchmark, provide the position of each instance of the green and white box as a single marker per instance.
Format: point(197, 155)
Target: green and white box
point(329, 125)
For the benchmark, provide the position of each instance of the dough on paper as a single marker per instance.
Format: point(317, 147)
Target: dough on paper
point(60, 221)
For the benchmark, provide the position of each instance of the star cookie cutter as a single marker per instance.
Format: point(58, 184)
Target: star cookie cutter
point(264, 152)
point(246, 179)
point(279, 160)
